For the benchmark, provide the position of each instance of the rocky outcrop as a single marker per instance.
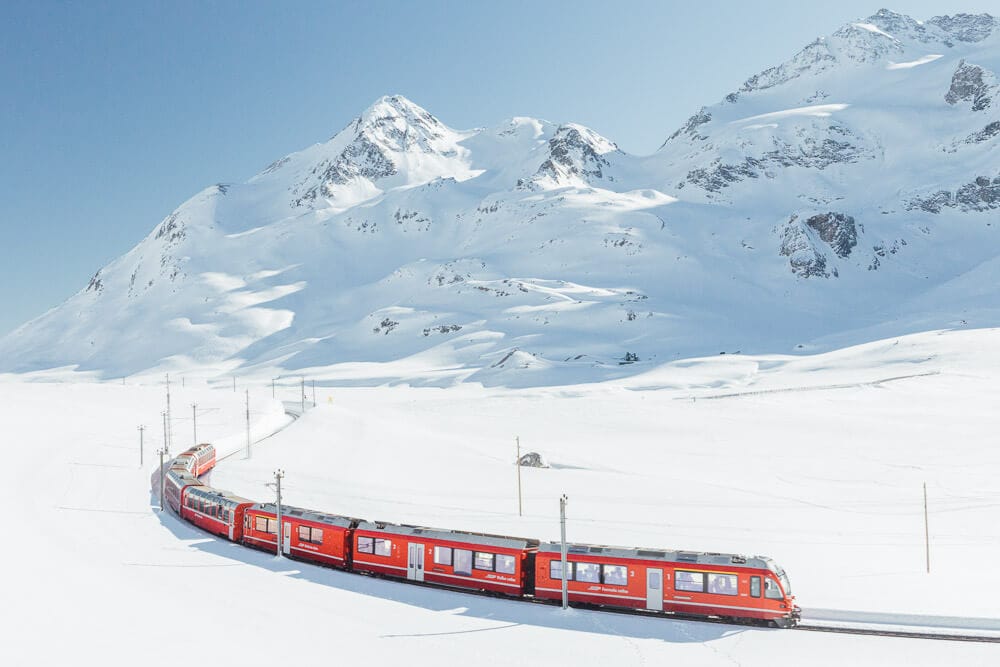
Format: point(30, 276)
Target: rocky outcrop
point(803, 258)
point(972, 84)
point(801, 239)
point(837, 230)
point(985, 134)
point(965, 27)
point(690, 128)
point(982, 194)
point(836, 145)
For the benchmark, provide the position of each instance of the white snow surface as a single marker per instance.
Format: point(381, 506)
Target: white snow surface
point(816, 460)
point(855, 191)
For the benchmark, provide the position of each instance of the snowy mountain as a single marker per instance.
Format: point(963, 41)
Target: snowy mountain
point(848, 194)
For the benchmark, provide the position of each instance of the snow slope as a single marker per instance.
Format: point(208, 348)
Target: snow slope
point(816, 460)
point(845, 195)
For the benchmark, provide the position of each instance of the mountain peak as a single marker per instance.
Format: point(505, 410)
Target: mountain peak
point(575, 155)
point(396, 123)
point(394, 142)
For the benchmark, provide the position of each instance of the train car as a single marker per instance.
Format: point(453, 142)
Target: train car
point(219, 512)
point(721, 585)
point(204, 458)
point(176, 479)
point(197, 460)
point(447, 557)
point(313, 536)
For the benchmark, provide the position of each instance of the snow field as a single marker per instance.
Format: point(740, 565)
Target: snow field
point(827, 481)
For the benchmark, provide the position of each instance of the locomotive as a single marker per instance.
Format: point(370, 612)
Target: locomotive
point(731, 587)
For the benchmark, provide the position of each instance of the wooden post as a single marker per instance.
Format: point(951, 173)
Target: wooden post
point(927, 533)
point(517, 463)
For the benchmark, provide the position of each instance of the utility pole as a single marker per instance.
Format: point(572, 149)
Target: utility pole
point(141, 445)
point(169, 422)
point(562, 529)
point(272, 386)
point(278, 476)
point(161, 453)
point(194, 418)
point(303, 396)
point(248, 423)
point(314, 393)
point(517, 463)
point(166, 447)
point(927, 533)
point(234, 384)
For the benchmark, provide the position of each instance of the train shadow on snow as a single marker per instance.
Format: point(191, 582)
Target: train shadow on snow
point(513, 612)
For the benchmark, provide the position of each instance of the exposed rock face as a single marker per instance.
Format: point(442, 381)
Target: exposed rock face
point(691, 126)
point(966, 27)
point(836, 230)
point(985, 134)
point(982, 194)
point(803, 258)
point(836, 145)
point(816, 57)
point(971, 83)
point(799, 242)
point(575, 153)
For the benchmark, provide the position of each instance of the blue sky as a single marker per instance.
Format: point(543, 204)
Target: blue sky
point(114, 113)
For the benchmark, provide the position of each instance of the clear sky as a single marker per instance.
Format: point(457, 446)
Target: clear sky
point(113, 113)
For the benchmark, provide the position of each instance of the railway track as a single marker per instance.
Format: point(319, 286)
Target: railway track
point(907, 634)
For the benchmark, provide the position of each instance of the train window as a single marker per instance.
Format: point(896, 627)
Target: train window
point(590, 572)
point(722, 584)
point(442, 555)
point(311, 535)
point(616, 575)
point(365, 545)
point(201, 506)
point(260, 524)
point(689, 581)
point(771, 590)
point(225, 515)
point(506, 564)
point(383, 547)
point(555, 570)
point(463, 562)
point(755, 587)
point(483, 561)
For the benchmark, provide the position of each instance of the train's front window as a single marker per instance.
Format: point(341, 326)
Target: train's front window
point(771, 589)
point(784, 581)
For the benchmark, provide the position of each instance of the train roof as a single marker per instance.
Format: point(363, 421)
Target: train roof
point(201, 449)
point(662, 555)
point(183, 476)
point(480, 539)
point(308, 515)
point(210, 493)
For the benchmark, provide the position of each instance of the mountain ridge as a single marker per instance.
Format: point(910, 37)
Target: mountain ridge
point(829, 196)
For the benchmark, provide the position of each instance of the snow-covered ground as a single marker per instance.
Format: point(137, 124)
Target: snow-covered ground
point(817, 461)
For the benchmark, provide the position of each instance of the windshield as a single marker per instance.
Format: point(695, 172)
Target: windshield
point(784, 580)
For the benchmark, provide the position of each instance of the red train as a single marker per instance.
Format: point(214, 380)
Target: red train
point(729, 586)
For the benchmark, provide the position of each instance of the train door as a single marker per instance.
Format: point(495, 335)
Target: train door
point(286, 542)
point(415, 562)
point(654, 589)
